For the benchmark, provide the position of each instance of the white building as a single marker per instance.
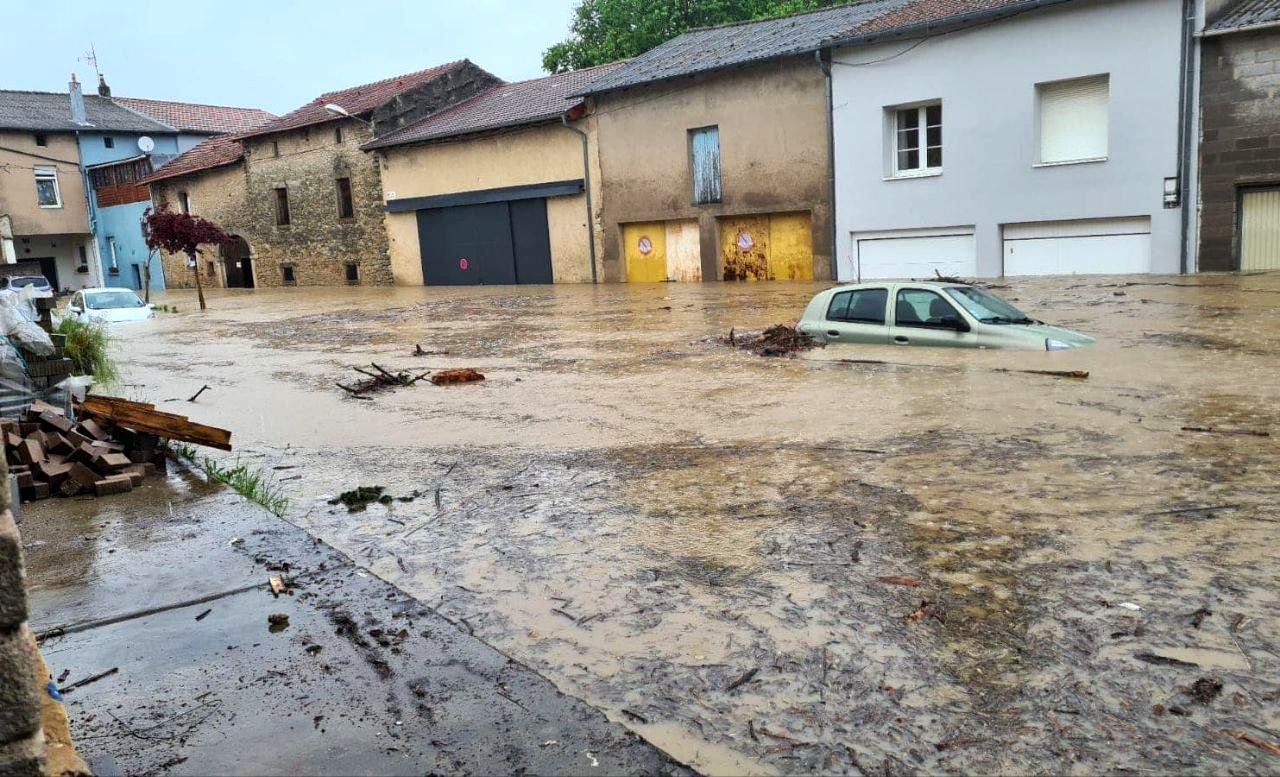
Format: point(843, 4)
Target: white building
point(1034, 138)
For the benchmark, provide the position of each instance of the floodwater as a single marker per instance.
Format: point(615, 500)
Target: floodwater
point(692, 538)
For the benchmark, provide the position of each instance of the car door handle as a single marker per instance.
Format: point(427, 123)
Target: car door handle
point(833, 333)
point(901, 339)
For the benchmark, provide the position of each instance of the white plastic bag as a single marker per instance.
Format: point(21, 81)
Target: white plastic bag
point(20, 329)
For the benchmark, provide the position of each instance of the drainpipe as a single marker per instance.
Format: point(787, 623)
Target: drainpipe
point(831, 164)
point(586, 185)
point(1186, 145)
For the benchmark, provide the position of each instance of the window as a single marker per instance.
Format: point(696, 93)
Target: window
point(42, 139)
point(108, 141)
point(346, 209)
point(1073, 120)
point(275, 148)
point(917, 140)
point(337, 134)
point(923, 308)
point(864, 306)
point(47, 193)
point(111, 249)
point(704, 157)
point(211, 270)
point(184, 202)
point(282, 206)
point(286, 275)
point(353, 274)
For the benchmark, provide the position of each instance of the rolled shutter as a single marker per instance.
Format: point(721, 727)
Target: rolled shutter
point(1074, 119)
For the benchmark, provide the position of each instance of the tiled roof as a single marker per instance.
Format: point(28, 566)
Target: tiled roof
point(194, 117)
point(715, 48)
point(509, 105)
point(51, 112)
point(1248, 13)
point(922, 16)
point(214, 152)
point(357, 100)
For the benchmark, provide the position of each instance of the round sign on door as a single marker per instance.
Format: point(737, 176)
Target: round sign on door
point(645, 245)
point(745, 241)
point(464, 264)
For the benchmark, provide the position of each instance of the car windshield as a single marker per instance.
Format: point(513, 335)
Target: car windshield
point(109, 300)
point(28, 280)
point(986, 307)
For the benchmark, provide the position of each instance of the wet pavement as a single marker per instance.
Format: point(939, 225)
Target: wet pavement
point(792, 565)
point(168, 586)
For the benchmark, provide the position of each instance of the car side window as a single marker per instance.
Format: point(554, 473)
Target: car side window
point(923, 308)
point(77, 300)
point(862, 306)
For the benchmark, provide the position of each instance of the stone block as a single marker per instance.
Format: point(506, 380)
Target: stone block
point(13, 594)
point(116, 484)
point(19, 684)
point(24, 757)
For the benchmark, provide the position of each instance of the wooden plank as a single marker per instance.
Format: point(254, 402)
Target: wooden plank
point(142, 417)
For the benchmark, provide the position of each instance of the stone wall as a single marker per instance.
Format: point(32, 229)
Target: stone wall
point(1240, 134)
point(22, 747)
point(218, 195)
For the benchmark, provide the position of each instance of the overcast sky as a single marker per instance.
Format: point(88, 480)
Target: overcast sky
point(272, 54)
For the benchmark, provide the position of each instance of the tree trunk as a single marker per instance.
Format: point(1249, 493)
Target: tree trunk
point(195, 267)
point(146, 281)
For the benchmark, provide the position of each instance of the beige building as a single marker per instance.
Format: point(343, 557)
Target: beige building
point(715, 154)
point(495, 190)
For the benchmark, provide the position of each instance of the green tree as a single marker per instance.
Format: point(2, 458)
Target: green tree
point(608, 30)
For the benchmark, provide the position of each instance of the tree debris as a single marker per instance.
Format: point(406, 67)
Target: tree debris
point(777, 340)
point(194, 396)
point(90, 679)
point(1152, 658)
point(358, 499)
point(379, 380)
point(1261, 744)
point(1206, 689)
point(450, 377)
point(1214, 430)
point(899, 580)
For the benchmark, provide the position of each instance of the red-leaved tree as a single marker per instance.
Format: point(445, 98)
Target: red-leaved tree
point(182, 233)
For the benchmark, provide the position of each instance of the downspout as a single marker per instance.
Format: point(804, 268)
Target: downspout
point(586, 187)
point(1186, 146)
point(831, 164)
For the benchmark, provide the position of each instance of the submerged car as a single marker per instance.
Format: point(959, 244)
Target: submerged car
point(108, 305)
point(952, 315)
point(16, 283)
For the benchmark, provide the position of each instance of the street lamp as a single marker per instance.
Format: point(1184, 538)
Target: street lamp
point(338, 110)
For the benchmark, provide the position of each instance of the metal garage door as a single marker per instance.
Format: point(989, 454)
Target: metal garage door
point(767, 247)
point(1260, 230)
point(657, 251)
point(905, 256)
point(485, 244)
point(1091, 246)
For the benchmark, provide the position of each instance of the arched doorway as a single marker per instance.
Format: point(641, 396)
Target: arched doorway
point(237, 263)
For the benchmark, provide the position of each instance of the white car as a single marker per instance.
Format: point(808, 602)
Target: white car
point(108, 305)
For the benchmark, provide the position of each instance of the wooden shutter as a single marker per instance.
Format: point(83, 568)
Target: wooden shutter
point(1074, 119)
point(705, 147)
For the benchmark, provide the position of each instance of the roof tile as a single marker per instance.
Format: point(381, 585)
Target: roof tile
point(51, 112)
point(1248, 13)
point(217, 151)
point(195, 117)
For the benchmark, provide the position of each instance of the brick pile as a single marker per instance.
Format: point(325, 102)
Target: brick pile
point(54, 455)
point(47, 371)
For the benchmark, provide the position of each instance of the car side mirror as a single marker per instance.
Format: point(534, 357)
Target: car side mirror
point(151, 306)
point(955, 322)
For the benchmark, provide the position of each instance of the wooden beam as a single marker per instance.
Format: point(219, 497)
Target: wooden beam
point(142, 417)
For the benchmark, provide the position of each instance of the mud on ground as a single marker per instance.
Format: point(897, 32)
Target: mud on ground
point(693, 539)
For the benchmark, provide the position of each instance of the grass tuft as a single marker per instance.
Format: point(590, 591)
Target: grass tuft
point(252, 483)
point(89, 348)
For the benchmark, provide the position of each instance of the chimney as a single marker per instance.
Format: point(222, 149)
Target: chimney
point(103, 89)
point(77, 101)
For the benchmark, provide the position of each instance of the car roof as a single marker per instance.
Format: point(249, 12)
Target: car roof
point(104, 289)
point(883, 284)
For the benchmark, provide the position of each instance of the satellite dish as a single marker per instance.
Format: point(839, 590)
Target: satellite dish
point(146, 145)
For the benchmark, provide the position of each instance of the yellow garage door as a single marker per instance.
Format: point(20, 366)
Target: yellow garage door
point(684, 251)
point(1260, 230)
point(645, 249)
point(772, 247)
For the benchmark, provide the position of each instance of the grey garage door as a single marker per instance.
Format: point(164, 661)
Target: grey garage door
point(485, 244)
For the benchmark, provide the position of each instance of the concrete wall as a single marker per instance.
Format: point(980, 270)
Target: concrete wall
point(774, 149)
point(219, 195)
point(529, 156)
point(1240, 135)
point(18, 155)
point(986, 78)
point(22, 746)
point(65, 250)
point(316, 242)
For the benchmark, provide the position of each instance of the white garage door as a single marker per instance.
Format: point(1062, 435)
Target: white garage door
point(916, 257)
point(1095, 246)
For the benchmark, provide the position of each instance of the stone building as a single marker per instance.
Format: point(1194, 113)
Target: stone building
point(304, 202)
point(1240, 136)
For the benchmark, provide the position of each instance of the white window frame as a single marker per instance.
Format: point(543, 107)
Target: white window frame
point(1040, 90)
point(111, 248)
point(48, 174)
point(895, 133)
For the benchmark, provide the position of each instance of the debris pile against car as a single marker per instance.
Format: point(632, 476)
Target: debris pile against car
point(778, 340)
point(104, 446)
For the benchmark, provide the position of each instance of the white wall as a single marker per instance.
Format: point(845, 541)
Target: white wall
point(986, 78)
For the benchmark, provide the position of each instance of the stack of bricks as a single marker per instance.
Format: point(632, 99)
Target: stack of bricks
point(53, 455)
point(22, 743)
point(47, 371)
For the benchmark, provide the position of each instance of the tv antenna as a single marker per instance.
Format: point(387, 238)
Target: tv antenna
point(91, 58)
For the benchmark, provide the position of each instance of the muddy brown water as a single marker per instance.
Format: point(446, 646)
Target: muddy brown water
point(692, 538)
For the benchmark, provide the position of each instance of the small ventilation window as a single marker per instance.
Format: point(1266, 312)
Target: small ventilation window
point(109, 142)
point(353, 274)
point(42, 140)
point(337, 134)
point(286, 275)
point(275, 148)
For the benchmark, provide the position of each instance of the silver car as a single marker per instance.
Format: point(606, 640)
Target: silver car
point(952, 315)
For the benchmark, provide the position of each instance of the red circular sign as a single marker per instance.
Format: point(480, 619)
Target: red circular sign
point(464, 263)
point(646, 246)
point(745, 241)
